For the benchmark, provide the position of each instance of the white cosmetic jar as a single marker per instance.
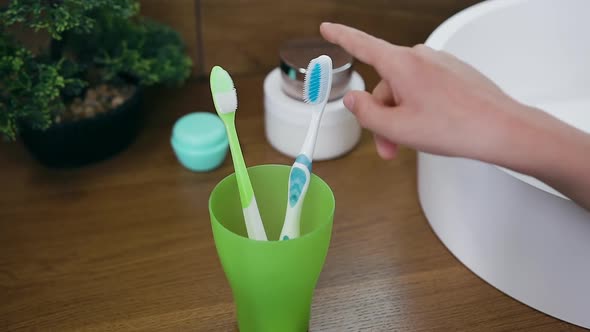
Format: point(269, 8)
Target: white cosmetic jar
point(286, 121)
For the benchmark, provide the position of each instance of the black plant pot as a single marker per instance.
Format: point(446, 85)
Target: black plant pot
point(81, 142)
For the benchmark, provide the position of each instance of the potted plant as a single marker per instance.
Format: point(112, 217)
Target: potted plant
point(79, 100)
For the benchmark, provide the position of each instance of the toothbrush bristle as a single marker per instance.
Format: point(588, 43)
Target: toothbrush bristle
point(223, 91)
point(317, 81)
point(226, 102)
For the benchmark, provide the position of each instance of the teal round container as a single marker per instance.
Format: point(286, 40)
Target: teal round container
point(199, 141)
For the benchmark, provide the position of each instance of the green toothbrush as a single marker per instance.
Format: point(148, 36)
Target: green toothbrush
point(226, 104)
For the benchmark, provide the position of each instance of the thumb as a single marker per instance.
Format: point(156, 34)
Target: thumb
point(373, 115)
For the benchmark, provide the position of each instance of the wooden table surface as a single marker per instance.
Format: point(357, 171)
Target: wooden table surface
point(126, 244)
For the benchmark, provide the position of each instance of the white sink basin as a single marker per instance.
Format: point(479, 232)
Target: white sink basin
point(514, 231)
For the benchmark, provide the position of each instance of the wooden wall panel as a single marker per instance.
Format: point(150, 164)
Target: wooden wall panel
point(182, 16)
point(34, 41)
point(244, 35)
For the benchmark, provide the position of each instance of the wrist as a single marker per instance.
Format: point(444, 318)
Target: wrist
point(542, 146)
point(511, 138)
point(519, 142)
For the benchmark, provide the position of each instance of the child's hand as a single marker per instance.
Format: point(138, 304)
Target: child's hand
point(427, 99)
point(433, 102)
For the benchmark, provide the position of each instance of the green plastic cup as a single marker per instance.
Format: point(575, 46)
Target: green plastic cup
point(272, 281)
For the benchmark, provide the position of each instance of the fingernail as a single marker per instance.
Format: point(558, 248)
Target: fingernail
point(349, 101)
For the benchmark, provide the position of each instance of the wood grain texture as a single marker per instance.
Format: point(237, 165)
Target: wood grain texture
point(181, 15)
point(244, 36)
point(126, 244)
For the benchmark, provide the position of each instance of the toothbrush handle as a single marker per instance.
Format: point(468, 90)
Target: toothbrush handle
point(246, 191)
point(252, 219)
point(254, 226)
point(299, 179)
point(312, 132)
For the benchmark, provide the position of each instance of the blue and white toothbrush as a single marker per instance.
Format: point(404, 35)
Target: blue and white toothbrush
point(316, 90)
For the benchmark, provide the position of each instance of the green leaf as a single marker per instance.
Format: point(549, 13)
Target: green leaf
point(59, 16)
point(98, 38)
point(29, 90)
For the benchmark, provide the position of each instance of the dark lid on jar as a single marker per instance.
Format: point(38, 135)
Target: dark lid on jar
point(295, 56)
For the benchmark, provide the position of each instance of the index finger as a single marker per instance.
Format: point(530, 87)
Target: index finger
point(366, 48)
